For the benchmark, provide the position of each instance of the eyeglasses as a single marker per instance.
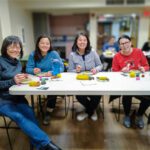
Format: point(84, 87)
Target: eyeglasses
point(124, 43)
point(13, 48)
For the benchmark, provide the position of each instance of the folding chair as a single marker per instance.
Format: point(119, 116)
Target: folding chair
point(7, 126)
point(42, 102)
point(117, 110)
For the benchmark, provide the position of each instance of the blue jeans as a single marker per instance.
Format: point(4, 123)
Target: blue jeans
point(24, 116)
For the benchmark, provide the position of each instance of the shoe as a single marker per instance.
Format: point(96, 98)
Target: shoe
point(46, 120)
point(127, 122)
point(94, 117)
point(139, 122)
point(51, 146)
point(82, 116)
point(49, 109)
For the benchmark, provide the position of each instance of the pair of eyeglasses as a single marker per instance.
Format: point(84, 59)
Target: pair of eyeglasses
point(124, 43)
point(12, 49)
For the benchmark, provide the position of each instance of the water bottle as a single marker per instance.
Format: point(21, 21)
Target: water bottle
point(55, 67)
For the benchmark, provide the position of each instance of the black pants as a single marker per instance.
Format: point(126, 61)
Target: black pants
point(89, 102)
point(127, 102)
point(106, 60)
point(51, 101)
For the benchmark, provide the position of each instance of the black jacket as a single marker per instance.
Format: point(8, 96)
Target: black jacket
point(8, 69)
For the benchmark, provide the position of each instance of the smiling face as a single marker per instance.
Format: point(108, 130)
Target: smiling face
point(13, 50)
point(82, 43)
point(44, 45)
point(125, 46)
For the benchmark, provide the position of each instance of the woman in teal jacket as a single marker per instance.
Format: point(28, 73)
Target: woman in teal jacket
point(41, 61)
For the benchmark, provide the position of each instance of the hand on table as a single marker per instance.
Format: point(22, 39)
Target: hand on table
point(36, 70)
point(94, 71)
point(20, 77)
point(48, 74)
point(78, 68)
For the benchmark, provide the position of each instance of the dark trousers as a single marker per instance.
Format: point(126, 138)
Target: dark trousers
point(51, 101)
point(106, 60)
point(127, 102)
point(89, 102)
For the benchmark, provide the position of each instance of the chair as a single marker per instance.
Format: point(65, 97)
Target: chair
point(117, 110)
point(99, 110)
point(7, 126)
point(147, 114)
point(42, 102)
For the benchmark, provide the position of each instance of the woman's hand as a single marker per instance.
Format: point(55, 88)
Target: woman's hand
point(36, 70)
point(48, 74)
point(20, 77)
point(125, 69)
point(141, 69)
point(94, 71)
point(78, 68)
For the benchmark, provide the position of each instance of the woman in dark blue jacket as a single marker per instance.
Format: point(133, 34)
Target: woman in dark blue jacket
point(14, 106)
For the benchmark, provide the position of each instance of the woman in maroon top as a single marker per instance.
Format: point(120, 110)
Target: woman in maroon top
point(129, 58)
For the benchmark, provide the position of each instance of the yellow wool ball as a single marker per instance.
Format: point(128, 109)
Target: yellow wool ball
point(132, 74)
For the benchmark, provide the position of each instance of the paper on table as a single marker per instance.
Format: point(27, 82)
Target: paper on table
point(88, 82)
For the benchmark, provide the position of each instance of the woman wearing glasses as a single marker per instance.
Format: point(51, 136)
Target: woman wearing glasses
point(129, 58)
point(16, 106)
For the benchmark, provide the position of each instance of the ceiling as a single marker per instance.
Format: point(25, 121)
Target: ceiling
point(81, 6)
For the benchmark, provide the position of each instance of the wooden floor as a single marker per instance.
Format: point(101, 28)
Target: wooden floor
point(69, 134)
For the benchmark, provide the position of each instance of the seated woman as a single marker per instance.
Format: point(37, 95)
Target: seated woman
point(82, 58)
point(41, 60)
point(129, 58)
point(16, 106)
point(112, 47)
point(146, 46)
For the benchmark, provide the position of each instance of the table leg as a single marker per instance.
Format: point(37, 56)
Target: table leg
point(32, 102)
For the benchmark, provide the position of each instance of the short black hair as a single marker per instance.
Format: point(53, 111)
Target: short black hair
point(9, 40)
point(37, 55)
point(75, 47)
point(123, 37)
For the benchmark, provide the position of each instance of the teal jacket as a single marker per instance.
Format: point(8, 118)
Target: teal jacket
point(45, 64)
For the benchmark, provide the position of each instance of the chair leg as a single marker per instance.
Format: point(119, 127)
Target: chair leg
point(66, 106)
point(7, 133)
point(40, 105)
point(117, 113)
point(31, 147)
point(73, 107)
point(148, 121)
point(101, 107)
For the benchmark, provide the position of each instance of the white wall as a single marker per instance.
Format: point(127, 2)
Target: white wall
point(13, 18)
point(22, 20)
point(93, 31)
point(144, 26)
point(4, 19)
